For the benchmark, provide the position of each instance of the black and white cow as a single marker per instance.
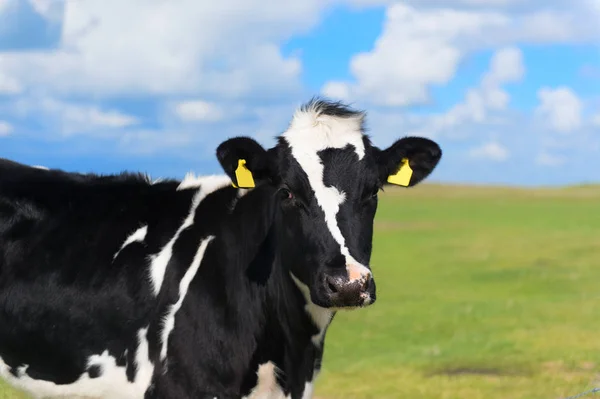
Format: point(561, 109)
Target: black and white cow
point(119, 287)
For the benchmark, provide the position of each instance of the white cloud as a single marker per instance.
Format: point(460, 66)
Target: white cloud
point(198, 141)
point(148, 142)
point(336, 90)
point(7, 7)
point(8, 85)
point(486, 3)
point(73, 118)
point(367, 3)
point(560, 108)
point(49, 9)
point(224, 48)
point(595, 120)
point(225, 58)
point(199, 111)
point(86, 117)
point(421, 47)
point(415, 50)
point(492, 151)
point(546, 159)
point(3, 5)
point(480, 102)
point(5, 129)
point(506, 66)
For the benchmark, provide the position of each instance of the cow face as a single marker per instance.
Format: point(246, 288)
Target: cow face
point(327, 176)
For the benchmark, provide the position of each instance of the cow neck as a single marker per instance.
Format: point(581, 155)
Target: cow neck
point(299, 324)
point(291, 329)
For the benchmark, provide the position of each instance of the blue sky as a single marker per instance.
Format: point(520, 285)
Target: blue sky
point(509, 88)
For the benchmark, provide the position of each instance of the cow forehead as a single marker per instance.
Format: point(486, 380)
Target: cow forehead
point(311, 131)
point(343, 170)
point(327, 150)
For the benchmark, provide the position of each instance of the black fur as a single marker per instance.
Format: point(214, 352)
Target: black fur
point(257, 160)
point(64, 296)
point(331, 108)
point(423, 155)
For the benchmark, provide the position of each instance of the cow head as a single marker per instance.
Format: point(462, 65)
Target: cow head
point(327, 175)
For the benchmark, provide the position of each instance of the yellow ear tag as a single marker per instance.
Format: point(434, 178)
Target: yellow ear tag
point(243, 175)
point(402, 177)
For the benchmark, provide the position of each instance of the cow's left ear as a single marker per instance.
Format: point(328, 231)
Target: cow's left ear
point(408, 161)
point(245, 161)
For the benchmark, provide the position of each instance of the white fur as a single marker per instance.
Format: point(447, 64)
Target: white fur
point(111, 384)
point(159, 262)
point(309, 133)
point(192, 181)
point(169, 320)
point(137, 236)
point(40, 167)
point(266, 387)
point(308, 391)
point(321, 316)
point(318, 131)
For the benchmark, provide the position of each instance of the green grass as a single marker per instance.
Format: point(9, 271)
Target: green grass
point(483, 293)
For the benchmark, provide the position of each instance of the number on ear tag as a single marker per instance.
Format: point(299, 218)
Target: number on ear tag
point(243, 176)
point(402, 177)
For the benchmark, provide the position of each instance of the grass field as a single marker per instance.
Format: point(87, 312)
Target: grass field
point(482, 293)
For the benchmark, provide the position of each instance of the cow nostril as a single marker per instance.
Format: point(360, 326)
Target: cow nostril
point(332, 285)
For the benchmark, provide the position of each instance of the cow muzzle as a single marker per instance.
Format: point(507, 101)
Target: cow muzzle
point(355, 288)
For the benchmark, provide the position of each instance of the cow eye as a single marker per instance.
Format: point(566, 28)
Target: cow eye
point(371, 195)
point(286, 194)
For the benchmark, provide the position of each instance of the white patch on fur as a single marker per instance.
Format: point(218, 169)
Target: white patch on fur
point(192, 181)
point(311, 132)
point(40, 167)
point(321, 316)
point(243, 191)
point(308, 391)
point(267, 386)
point(137, 236)
point(112, 383)
point(318, 131)
point(159, 262)
point(184, 284)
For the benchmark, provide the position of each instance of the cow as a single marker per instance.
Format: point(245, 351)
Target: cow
point(219, 286)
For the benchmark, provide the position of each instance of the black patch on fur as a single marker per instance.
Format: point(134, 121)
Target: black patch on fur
point(331, 108)
point(95, 371)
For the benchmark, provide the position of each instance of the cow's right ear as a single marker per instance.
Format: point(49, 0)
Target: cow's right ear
point(245, 161)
